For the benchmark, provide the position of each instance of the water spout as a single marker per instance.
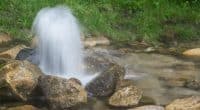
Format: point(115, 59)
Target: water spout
point(59, 49)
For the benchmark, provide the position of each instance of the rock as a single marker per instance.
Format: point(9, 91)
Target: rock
point(96, 64)
point(192, 52)
point(75, 81)
point(4, 38)
point(12, 53)
point(61, 93)
point(24, 107)
point(148, 107)
point(18, 80)
point(191, 103)
point(25, 53)
point(89, 42)
point(150, 49)
point(126, 97)
point(28, 54)
point(105, 83)
point(193, 84)
point(94, 41)
point(3, 62)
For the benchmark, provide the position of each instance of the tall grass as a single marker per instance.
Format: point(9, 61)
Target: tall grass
point(120, 20)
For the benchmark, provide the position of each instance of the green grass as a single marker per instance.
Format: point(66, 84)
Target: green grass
point(120, 20)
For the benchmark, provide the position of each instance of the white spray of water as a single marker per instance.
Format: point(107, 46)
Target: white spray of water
point(59, 49)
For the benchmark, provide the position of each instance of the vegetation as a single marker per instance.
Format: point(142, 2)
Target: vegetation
point(121, 20)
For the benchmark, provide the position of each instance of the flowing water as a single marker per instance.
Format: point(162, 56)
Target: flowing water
point(59, 49)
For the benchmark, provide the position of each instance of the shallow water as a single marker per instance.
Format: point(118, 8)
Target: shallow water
point(161, 77)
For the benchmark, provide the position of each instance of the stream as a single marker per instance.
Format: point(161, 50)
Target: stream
point(162, 78)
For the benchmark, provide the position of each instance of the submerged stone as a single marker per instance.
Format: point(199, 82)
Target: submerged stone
point(193, 84)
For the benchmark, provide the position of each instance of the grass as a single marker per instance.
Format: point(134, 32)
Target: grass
point(121, 20)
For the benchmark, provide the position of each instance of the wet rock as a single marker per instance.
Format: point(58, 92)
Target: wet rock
point(75, 81)
point(193, 84)
point(148, 107)
point(12, 53)
point(4, 38)
point(191, 103)
point(105, 83)
point(61, 93)
point(25, 53)
point(24, 107)
point(126, 97)
point(192, 52)
point(18, 80)
point(94, 41)
point(93, 104)
point(97, 64)
point(28, 54)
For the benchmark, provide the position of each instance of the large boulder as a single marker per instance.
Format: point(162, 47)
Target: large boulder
point(148, 107)
point(105, 83)
point(191, 103)
point(18, 80)
point(12, 53)
point(126, 97)
point(61, 93)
